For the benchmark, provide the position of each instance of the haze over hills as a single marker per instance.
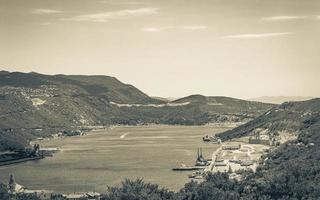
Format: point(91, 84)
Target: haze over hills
point(279, 99)
point(43, 104)
point(167, 99)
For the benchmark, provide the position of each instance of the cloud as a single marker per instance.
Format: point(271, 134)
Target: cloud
point(41, 11)
point(107, 16)
point(124, 2)
point(194, 27)
point(283, 18)
point(45, 23)
point(164, 28)
point(259, 35)
point(156, 29)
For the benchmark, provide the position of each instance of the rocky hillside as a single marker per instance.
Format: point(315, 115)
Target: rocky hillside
point(291, 171)
point(286, 119)
point(34, 105)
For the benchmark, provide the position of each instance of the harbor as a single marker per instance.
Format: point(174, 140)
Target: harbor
point(149, 152)
point(232, 157)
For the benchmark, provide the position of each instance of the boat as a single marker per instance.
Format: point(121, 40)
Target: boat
point(196, 175)
point(211, 139)
point(201, 161)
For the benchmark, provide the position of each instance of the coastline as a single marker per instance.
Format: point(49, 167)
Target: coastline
point(105, 168)
point(21, 160)
point(91, 129)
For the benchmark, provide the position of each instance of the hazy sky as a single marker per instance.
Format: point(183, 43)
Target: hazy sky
point(170, 48)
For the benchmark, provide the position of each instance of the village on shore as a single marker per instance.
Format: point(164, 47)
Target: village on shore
point(236, 156)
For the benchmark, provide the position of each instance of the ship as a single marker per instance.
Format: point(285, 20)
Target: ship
point(201, 161)
point(212, 139)
point(196, 175)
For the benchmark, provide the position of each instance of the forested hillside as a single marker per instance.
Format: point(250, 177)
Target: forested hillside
point(292, 171)
point(288, 117)
point(34, 105)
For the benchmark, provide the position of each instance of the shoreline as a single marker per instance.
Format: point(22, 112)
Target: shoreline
point(20, 160)
point(111, 127)
point(177, 131)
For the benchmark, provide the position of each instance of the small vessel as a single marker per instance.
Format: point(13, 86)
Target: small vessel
point(196, 175)
point(212, 139)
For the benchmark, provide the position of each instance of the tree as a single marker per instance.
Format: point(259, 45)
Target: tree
point(4, 192)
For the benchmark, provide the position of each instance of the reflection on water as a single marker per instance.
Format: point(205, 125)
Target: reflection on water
point(94, 161)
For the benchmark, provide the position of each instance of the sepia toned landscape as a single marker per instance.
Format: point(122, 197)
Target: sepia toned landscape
point(159, 100)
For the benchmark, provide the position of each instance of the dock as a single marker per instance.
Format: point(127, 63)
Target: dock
point(188, 168)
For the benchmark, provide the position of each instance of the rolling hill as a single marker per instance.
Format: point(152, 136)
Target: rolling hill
point(289, 117)
point(33, 105)
point(291, 171)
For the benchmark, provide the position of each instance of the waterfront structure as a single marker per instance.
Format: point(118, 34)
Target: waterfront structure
point(220, 163)
point(231, 147)
point(74, 196)
point(16, 189)
point(48, 151)
point(79, 196)
point(41, 194)
point(260, 139)
point(246, 162)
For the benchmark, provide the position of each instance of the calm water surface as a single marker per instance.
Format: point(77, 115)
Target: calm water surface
point(104, 158)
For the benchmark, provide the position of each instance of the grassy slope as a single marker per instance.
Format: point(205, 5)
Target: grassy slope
point(73, 101)
point(293, 170)
point(289, 116)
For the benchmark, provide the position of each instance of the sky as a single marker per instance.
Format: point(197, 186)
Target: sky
point(170, 48)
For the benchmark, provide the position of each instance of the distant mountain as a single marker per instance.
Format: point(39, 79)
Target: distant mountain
point(33, 105)
point(167, 99)
point(279, 99)
point(287, 118)
point(101, 86)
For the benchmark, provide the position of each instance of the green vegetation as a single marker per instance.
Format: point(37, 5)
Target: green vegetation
point(291, 171)
point(138, 189)
point(289, 116)
point(35, 105)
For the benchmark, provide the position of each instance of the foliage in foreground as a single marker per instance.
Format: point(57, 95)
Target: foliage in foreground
point(136, 190)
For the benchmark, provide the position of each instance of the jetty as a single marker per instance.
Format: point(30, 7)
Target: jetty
point(15, 161)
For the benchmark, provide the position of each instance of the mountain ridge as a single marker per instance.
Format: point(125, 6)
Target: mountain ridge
point(280, 99)
point(288, 116)
point(30, 102)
